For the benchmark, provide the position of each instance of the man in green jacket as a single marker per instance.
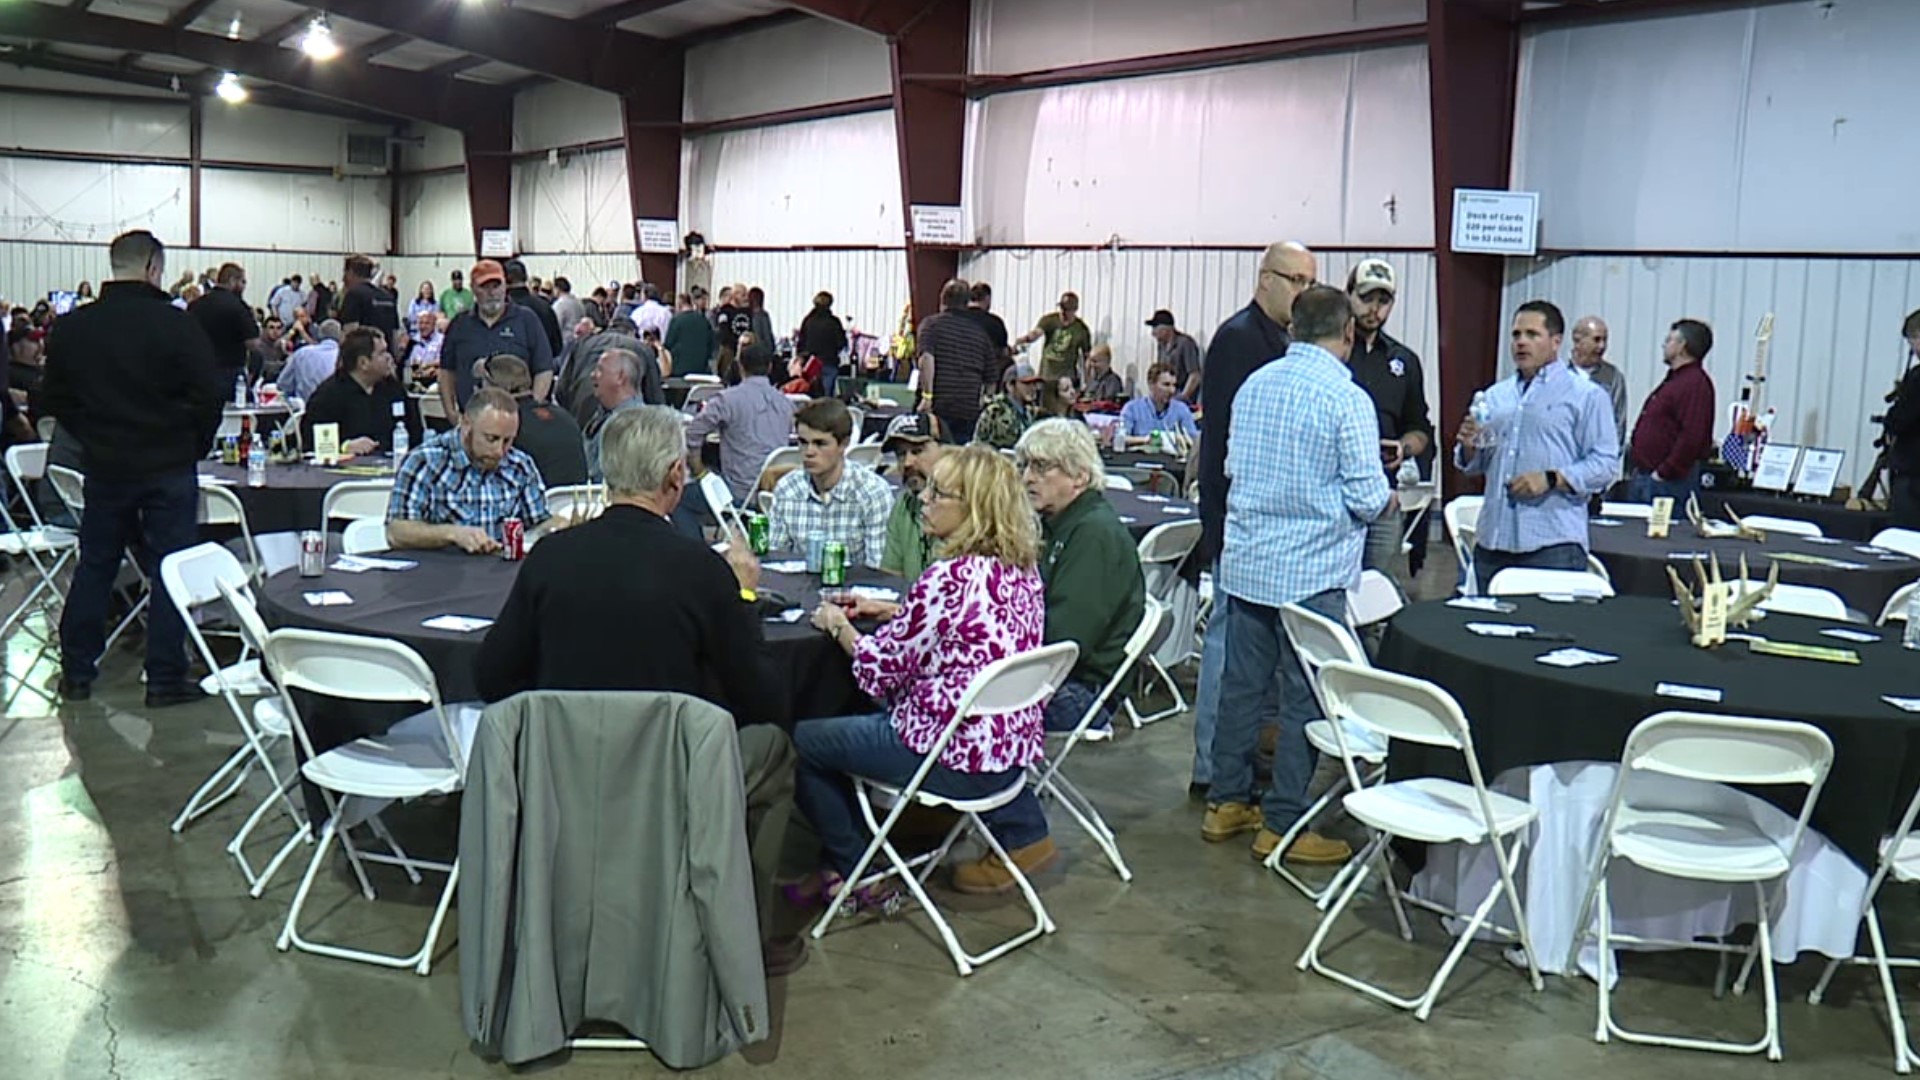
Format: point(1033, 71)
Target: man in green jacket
point(1095, 596)
point(909, 549)
point(690, 336)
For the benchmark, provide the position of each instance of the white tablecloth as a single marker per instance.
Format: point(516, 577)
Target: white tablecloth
point(1817, 910)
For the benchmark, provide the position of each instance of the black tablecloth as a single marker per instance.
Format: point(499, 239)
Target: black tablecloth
point(1141, 459)
point(1526, 713)
point(1638, 564)
point(1833, 518)
point(293, 495)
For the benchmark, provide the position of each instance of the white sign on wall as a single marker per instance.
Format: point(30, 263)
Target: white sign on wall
point(938, 225)
point(658, 236)
point(1496, 222)
point(496, 243)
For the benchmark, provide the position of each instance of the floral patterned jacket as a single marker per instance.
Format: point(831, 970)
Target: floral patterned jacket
point(959, 616)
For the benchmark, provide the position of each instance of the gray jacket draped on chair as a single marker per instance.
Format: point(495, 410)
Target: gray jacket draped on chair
point(604, 876)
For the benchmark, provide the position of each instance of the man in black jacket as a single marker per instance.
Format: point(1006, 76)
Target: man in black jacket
point(132, 379)
point(542, 308)
point(363, 398)
point(624, 602)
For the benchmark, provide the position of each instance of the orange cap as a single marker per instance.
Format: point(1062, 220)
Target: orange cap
point(484, 271)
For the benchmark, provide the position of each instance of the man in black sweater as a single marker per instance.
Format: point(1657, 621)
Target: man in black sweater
point(132, 379)
point(363, 398)
point(542, 308)
point(625, 602)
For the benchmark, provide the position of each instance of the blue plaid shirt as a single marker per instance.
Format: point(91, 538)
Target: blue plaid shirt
point(1558, 420)
point(440, 485)
point(1303, 453)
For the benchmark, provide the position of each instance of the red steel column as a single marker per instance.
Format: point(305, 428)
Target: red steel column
point(930, 119)
point(489, 151)
point(650, 115)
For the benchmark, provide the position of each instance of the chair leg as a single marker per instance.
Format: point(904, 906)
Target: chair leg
point(289, 934)
point(1425, 1007)
point(236, 847)
point(1277, 862)
point(202, 801)
point(1763, 951)
point(304, 834)
point(1310, 956)
point(1819, 990)
point(1089, 819)
point(353, 855)
point(379, 829)
point(1604, 1026)
point(1902, 1050)
point(439, 916)
point(1393, 896)
point(1179, 699)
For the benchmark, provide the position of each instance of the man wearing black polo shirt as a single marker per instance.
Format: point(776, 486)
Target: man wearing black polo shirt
point(228, 322)
point(1390, 374)
point(542, 308)
point(365, 303)
point(980, 309)
point(361, 396)
point(496, 325)
point(956, 359)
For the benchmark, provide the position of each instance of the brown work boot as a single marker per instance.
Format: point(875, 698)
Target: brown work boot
point(987, 875)
point(1227, 820)
point(1310, 849)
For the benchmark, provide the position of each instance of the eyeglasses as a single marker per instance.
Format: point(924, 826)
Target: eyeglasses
point(1303, 282)
point(934, 494)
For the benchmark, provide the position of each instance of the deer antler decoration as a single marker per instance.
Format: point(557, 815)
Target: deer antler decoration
point(1742, 603)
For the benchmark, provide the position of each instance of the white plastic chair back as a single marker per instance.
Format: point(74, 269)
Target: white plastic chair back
point(71, 486)
point(220, 506)
point(1729, 749)
point(1118, 483)
point(563, 501)
point(1319, 640)
point(193, 578)
point(1791, 526)
point(764, 500)
point(1014, 683)
point(699, 379)
point(354, 500)
point(1462, 517)
point(1392, 705)
point(1904, 541)
point(1631, 511)
point(1597, 568)
point(364, 537)
point(698, 395)
point(1162, 551)
point(800, 399)
point(239, 598)
point(1896, 609)
point(1374, 599)
point(356, 668)
point(1530, 581)
point(780, 458)
point(1808, 600)
point(867, 454)
point(27, 461)
point(720, 503)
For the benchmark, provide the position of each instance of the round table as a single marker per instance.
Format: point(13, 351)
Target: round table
point(293, 495)
point(1141, 511)
point(1527, 713)
point(817, 679)
point(1638, 563)
point(1833, 518)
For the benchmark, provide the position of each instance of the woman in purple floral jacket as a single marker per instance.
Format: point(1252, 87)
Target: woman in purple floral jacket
point(980, 602)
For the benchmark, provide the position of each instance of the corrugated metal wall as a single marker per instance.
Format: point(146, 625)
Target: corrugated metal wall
point(869, 287)
point(1836, 336)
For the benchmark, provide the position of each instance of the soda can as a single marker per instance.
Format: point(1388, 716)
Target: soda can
point(757, 531)
point(833, 564)
point(313, 553)
point(513, 539)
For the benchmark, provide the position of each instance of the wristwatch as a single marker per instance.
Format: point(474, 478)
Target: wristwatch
point(1553, 480)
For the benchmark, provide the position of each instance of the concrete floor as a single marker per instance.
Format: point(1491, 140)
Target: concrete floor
point(126, 951)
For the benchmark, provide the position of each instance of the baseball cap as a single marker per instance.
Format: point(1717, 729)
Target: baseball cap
point(1163, 317)
point(486, 270)
point(909, 427)
point(1373, 275)
point(1022, 373)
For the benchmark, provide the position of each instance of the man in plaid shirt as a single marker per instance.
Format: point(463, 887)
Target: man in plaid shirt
point(826, 497)
point(461, 484)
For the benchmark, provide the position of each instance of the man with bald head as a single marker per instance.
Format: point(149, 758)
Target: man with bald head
point(1590, 357)
point(1244, 344)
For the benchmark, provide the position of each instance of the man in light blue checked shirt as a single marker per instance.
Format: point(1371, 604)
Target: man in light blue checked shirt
point(1549, 446)
point(1303, 453)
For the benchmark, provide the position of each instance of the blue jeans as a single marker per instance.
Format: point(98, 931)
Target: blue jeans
point(1023, 821)
point(832, 749)
point(158, 514)
point(1487, 563)
point(1249, 700)
point(1643, 488)
point(1213, 665)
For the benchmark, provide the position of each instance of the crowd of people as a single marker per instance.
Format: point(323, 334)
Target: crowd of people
point(1308, 416)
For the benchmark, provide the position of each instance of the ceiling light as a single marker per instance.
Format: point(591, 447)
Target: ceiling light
point(233, 29)
point(230, 89)
point(318, 41)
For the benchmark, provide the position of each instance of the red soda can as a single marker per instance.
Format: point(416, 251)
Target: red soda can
point(513, 539)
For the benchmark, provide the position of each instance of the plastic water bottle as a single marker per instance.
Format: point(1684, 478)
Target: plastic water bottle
point(240, 389)
point(1482, 412)
point(1910, 637)
point(400, 446)
point(257, 464)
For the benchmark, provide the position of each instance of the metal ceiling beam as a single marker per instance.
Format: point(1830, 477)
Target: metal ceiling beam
point(1635, 9)
point(278, 34)
point(447, 69)
point(181, 19)
point(616, 61)
point(389, 90)
point(377, 46)
point(627, 9)
point(201, 83)
point(888, 18)
point(744, 26)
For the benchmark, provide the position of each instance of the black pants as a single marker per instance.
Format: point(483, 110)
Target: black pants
point(955, 430)
point(1903, 500)
point(158, 514)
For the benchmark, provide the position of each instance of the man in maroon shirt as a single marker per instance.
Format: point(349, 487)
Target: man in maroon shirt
point(1675, 431)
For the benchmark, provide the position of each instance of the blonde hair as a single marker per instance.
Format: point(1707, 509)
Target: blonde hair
point(999, 522)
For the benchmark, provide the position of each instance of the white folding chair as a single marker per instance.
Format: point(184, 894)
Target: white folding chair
point(1007, 685)
point(719, 496)
point(1808, 600)
point(764, 500)
point(1374, 599)
point(1530, 581)
point(1045, 773)
point(1319, 641)
point(354, 500)
point(1162, 551)
point(364, 537)
point(220, 506)
point(568, 499)
point(270, 721)
point(801, 400)
point(1596, 568)
point(1790, 526)
point(1116, 482)
point(1904, 541)
point(48, 552)
point(1683, 843)
point(1428, 810)
point(192, 580)
point(1896, 606)
point(781, 457)
point(1899, 860)
point(1462, 517)
point(1414, 500)
point(71, 487)
point(867, 454)
point(697, 396)
point(1626, 510)
point(425, 754)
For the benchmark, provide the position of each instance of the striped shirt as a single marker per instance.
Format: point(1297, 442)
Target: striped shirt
point(1303, 454)
point(440, 485)
point(853, 512)
point(1557, 420)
